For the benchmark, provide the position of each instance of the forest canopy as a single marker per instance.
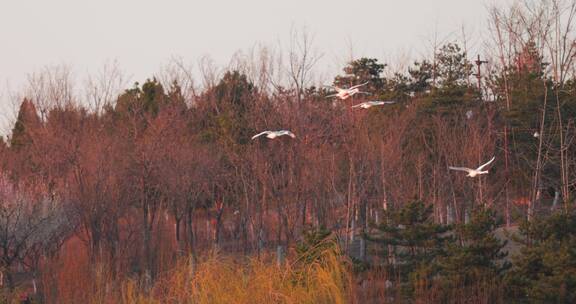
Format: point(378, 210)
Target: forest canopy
point(123, 187)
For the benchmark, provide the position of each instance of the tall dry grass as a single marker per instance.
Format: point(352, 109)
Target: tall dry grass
point(218, 279)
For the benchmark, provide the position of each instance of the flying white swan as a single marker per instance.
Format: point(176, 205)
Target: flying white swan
point(369, 104)
point(345, 93)
point(274, 134)
point(473, 172)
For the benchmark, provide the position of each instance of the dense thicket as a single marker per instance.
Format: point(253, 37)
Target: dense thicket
point(160, 172)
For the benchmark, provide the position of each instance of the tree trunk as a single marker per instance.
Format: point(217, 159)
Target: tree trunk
point(177, 221)
point(147, 235)
point(190, 230)
point(9, 279)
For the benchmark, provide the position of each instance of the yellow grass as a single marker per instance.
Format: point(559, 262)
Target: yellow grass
point(219, 279)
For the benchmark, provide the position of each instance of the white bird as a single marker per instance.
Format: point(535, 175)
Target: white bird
point(345, 93)
point(473, 172)
point(369, 104)
point(536, 134)
point(274, 134)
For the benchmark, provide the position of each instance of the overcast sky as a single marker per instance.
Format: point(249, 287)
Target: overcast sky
point(143, 35)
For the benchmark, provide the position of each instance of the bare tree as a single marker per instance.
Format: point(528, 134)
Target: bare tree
point(53, 86)
point(302, 58)
point(104, 87)
point(28, 224)
point(180, 73)
point(209, 72)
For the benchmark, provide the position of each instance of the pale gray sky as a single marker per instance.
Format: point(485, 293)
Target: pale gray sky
point(143, 35)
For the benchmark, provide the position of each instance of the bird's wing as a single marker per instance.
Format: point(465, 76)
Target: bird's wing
point(460, 169)
point(260, 134)
point(376, 103)
point(486, 164)
point(358, 85)
point(285, 132)
point(358, 105)
point(333, 95)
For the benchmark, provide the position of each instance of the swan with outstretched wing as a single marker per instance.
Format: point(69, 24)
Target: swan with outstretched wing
point(344, 94)
point(274, 134)
point(473, 172)
point(369, 104)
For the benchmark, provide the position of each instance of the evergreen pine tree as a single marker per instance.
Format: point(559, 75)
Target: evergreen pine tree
point(360, 71)
point(27, 122)
point(545, 270)
point(475, 257)
point(409, 238)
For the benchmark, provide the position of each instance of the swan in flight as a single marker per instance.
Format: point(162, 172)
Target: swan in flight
point(345, 93)
point(473, 172)
point(369, 104)
point(274, 134)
